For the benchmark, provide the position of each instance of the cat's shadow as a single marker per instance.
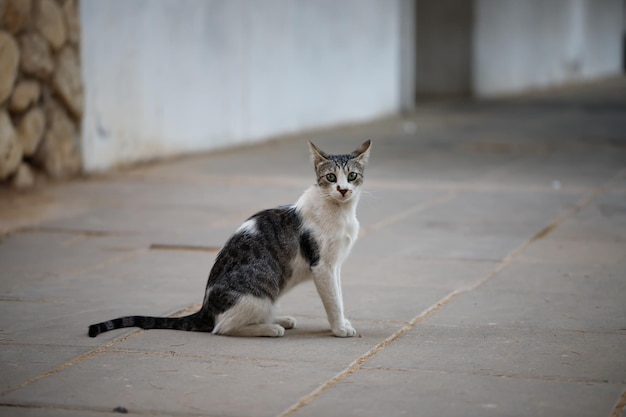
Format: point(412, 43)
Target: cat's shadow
point(308, 333)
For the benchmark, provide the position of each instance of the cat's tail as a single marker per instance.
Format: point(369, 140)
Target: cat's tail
point(199, 322)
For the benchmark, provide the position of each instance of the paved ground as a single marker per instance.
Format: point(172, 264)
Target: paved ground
point(490, 277)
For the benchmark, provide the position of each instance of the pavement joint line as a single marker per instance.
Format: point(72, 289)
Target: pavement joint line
point(65, 365)
point(620, 406)
point(121, 351)
point(51, 407)
point(81, 358)
point(504, 376)
point(580, 204)
point(99, 410)
point(29, 300)
point(455, 260)
point(257, 359)
point(63, 230)
point(73, 240)
point(358, 362)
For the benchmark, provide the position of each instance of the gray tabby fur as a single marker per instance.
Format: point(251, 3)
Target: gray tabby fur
point(273, 251)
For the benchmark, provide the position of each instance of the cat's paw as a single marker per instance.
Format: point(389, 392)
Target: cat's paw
point(346, 330)
point(275, 330)
point(286, 322)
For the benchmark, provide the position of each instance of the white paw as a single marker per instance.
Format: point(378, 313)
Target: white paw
point(286, 322)
point(275, 330)
point(344, 331)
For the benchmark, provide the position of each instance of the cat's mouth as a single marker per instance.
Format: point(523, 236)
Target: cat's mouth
point(343, 196)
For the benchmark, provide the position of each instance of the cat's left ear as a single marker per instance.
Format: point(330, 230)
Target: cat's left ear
point(362, 154)
point(316, 154)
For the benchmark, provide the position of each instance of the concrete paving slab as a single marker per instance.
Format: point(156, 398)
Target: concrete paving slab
point(364, 268)
point(428, 165)
point(548, 278)
point(501, 209)
point(20, 210)
point(479, 247)
point(33, 258)
point(176, 384)
point(524, 309)
point(50, 322)
point(573, 170)
point(375, 302)
point(574, 252)
point(401, 392)
point(411, 241)
point(547, 354)
point(21, 362)
point(277, 158)
point(157, 224)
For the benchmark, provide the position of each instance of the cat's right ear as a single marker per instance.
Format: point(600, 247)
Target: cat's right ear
point(317, 155)
point(363, 152)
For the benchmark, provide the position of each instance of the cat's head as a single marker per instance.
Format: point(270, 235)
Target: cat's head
point(340, 176)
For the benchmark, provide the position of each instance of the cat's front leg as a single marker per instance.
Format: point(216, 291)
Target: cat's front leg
point(328, 285)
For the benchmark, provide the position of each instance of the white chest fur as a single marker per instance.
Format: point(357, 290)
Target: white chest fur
point(333, 225)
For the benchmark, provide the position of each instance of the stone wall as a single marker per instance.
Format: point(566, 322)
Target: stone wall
point(41, 92)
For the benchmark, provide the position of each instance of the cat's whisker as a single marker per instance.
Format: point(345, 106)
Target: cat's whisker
point(369, 195)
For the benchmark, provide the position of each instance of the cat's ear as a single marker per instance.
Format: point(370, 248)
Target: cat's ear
point(362, 154)
point(317, 155)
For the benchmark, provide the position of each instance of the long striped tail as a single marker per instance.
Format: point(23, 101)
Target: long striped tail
point(199, 322)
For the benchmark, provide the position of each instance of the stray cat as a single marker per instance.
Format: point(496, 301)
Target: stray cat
point(273, 251)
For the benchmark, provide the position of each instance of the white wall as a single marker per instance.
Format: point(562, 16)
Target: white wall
point(176, 76)
point(538, 43)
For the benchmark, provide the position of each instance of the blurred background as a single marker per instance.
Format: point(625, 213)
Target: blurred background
point(88, 85)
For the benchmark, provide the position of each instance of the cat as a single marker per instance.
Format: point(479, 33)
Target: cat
point(273, 251)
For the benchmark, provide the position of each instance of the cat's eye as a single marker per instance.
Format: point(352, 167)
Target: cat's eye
point(352, 176)
point(331, 177)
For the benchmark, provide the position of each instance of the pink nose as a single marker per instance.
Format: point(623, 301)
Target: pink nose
point(342, 191)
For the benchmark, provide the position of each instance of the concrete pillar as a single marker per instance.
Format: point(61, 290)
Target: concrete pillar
point(444, 47)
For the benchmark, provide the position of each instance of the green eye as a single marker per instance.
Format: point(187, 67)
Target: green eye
point(352, 176)
point(331, 177)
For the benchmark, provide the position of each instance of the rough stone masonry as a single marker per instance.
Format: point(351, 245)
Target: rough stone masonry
point(41, 91)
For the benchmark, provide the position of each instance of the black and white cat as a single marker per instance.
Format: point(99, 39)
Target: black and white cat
point(273, 251)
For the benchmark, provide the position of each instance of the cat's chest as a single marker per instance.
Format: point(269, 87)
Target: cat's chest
point(335, 239)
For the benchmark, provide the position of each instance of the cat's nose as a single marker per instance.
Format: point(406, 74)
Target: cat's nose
point(342, 191)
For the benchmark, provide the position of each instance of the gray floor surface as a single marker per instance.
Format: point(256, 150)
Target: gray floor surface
point(489, 278)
